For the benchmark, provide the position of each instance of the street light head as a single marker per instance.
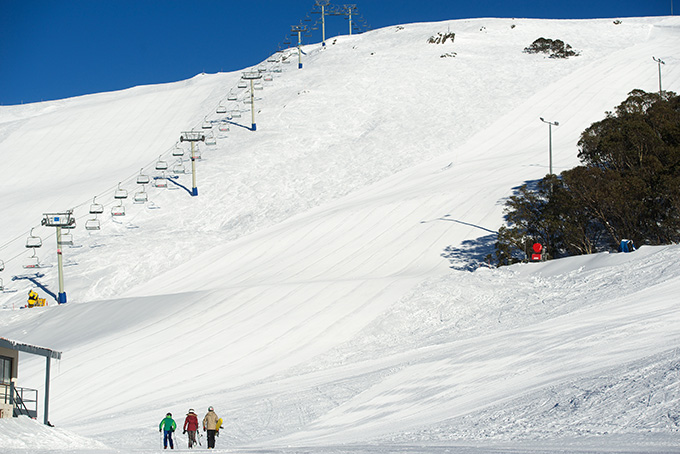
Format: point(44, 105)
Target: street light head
point(556, 123)
point(542, 119)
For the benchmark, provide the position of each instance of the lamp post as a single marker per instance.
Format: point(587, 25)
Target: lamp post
point(192, 136)
point(550, 125)
point(60, 220)
point(659, 62)
point(252, 76)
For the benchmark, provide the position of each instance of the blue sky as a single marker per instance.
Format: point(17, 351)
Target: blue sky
point(54, 49)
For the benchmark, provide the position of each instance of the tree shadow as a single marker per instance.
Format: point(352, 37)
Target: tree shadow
point(471, 254)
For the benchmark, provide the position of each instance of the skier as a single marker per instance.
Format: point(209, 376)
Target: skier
point(210, 425)
point(167, 426)
point(191, 426)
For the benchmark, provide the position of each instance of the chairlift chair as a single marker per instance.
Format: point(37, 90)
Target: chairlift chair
point(96, 208)
point(221, 109)
point(141, 196)
point(179, 168)
point(161, 165)
point(261, 68)
point(268, 78)
point(66, 238)
point(242, 84)
point(178, 152)
point(236, 113)
point(33, 261)
point(120, 193)
point(33, 241)
point(224, 127)
point(206, 125)
point(143, 178)
point(160, 182)
point(92, 224)
point(118, 210)
point(232, 97)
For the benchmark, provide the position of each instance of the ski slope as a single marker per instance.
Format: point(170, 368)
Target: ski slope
point(318, 291)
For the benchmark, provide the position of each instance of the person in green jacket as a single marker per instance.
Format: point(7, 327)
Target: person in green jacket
point(167, 426)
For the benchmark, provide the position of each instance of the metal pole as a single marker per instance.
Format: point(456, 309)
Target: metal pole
point(47, 391)
point(61, 299)
point(252, 104)
point(659, 62)
point(194, 189)
point(299, 32)
point(323, 26)
point(550, 145)
point(350, 21)
point(550, 125)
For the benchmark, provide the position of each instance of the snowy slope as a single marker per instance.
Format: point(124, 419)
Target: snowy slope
point(307, 292)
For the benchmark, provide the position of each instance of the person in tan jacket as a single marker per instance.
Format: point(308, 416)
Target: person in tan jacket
point(211, 425)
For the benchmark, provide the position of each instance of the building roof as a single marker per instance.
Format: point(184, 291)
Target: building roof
point(27, 348)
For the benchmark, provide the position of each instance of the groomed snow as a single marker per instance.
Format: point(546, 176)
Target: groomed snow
point(326, 291)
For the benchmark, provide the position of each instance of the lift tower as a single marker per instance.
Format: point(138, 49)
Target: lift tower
point(193, 136)
point(60, 221)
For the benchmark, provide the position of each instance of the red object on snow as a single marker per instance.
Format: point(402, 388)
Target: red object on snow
point(537, 256)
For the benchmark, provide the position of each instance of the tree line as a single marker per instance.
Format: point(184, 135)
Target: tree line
point(627, 187)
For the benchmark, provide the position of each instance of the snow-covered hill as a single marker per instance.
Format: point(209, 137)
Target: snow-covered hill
point(318, 290)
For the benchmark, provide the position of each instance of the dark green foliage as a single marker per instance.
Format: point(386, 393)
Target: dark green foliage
point(628, 186)
point(555, 48)
point(441, 38)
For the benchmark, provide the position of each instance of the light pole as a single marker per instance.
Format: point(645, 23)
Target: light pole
point(659, 62)
point(193, 136)
point(550, 125)
point(251, 76)
point(60, 220)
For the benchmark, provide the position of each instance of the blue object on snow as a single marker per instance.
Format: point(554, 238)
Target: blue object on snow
point(626, 246)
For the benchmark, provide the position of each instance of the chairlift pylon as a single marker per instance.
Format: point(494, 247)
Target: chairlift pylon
point(142, 178)
point(33, 241)
point(120, 193)
point(96, 208)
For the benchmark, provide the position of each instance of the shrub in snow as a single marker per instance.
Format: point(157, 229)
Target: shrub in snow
point(628, 186)
point(556, 48)
point(441, 38)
